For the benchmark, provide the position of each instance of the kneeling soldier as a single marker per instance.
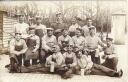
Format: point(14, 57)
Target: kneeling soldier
point(17, 48)
point(33, 43)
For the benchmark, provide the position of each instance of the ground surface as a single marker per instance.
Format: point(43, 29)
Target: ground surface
point(5, 76)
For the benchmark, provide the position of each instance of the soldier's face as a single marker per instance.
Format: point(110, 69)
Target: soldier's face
point(92, 32)
point(50, 32)
point(70, 49)
point(79, 55)
point(89, 22)
point(108, 42)
point(18, 36)
point(21, 19)
point(65, 32)
point(32, 32)
point(73, 21)
point(38, 21)
point(78, 33)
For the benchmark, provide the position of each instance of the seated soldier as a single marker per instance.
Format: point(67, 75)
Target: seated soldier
point(91, 45)
point(47, 42)
point(78, 39)
point(110, 56)
point(17, 48)
point(86, 66)
point(55, 61)
point(33, 43)
point(70, 62)
point(64, 40)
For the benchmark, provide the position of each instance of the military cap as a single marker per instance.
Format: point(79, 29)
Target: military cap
point(92, 27)
point(109, 37)
point(48, 29)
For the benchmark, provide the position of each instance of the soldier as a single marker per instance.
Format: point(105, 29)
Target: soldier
point(91, 45)
point(70, 62)
point(33, 43)
point(86, 27)
point(72, 28)
point(47, 42)
point(21, 27)
point(110, 56)
point(85, 65)
point(17, 48)
point(40, 31)
point(78, 39)
point(58, 25)
point(64, 40)
point(54, 61)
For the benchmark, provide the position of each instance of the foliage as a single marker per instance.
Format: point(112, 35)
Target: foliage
point(100, 16)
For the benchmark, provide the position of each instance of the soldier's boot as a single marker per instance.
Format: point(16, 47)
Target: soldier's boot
point(12, 65)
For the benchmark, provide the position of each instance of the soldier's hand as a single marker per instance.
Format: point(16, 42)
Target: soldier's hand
point(34, 51)
point(52, 63)
point(104, 57)
point(68, 65)
point(18, 53)
point(66, 68)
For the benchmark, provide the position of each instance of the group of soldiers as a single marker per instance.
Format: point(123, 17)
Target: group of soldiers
point(63, 51)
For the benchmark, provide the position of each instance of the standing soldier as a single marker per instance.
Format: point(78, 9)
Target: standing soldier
point(58, 25)
point(72, 28)
point(78, 39)
point(110, 56)
point(21, 27)
point(91, 45)
point(64, 40)
point(18, 47)
point(40, 31)
point(33, 43)
point(86, 27)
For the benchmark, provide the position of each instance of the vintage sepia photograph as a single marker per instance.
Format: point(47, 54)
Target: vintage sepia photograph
point(63, 41)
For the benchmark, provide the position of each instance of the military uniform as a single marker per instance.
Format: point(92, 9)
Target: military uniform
point(91, 68)
point(91, 44)
point(17, 49)
point(33, 43)
point(85, 30)
point(40, 31)
point(21, 28)
point(111, 61)
point(56, 60)
point(57, 27)
point(72, 29)
point(47, 43)
point(79, 42)
point(64, 41)
point(70, 63)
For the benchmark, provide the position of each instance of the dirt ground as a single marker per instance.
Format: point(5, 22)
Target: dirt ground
point(5, 76)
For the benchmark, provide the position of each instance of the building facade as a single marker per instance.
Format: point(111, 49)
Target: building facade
point(6, 29)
